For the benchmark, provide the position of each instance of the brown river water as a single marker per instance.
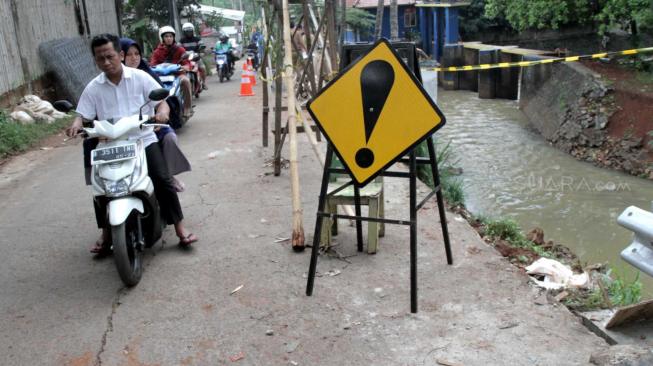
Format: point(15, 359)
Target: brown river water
point(509, 170)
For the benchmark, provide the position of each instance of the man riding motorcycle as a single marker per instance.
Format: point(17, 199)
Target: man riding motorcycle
point(117, 92)
point(223, 45)
point(169, 52)
point(192, 43)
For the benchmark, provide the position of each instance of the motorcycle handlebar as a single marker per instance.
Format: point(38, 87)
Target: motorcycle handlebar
point(151, 122)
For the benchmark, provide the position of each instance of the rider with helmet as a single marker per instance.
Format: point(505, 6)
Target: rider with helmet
point(223, 44)
point(168, 51)
point(193, 43)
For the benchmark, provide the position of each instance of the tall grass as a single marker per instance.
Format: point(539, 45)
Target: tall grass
point(16, 137)
point(615, 291)
point(452, 186)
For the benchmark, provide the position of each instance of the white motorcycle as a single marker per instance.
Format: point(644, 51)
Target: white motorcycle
point(120, 178)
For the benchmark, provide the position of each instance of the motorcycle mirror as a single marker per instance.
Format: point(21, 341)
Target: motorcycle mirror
point(158, 94)
point(185, 56)
point(196, 57)
point(63, 106)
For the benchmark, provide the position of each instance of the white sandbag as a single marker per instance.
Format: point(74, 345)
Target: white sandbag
point(30, 99)
point(44, 107)
point(556, 275)
point(21, 117)
point(43, 118)
point(56, 114)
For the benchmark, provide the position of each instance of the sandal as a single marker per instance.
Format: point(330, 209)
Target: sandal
point(179, 185)
point(188, 240)
point(101, 249)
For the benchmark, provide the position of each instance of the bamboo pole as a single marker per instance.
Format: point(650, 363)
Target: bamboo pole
point(320, 38)
point(308, 131)
point(332, 39)
point(298, 228)
point(264, 72)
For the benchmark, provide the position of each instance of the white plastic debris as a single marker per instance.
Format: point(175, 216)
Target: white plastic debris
point(556, 275)
point(36, 109)
point(21, 117)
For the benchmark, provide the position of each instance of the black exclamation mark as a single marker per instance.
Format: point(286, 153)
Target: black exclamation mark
point(376, 81)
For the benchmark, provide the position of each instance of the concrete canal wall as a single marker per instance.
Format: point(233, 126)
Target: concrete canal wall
point(576, 109)
point(567, 103)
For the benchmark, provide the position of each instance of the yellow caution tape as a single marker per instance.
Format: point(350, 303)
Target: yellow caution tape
point(539, 62)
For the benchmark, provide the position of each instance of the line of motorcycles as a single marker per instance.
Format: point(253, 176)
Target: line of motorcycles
point(169, 74)
point(225, 69)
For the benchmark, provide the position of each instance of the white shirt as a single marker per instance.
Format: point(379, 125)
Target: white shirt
point(103, 100)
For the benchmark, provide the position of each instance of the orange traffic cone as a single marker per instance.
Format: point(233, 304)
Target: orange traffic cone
point(245, 83)
point(252, 73)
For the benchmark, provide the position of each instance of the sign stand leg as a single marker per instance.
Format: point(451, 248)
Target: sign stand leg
point(413, 232)
point(359, 223)
point(318, 221)
point(438, 194)
point(278, 84)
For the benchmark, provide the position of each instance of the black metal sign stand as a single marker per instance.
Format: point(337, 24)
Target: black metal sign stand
point(412, 161)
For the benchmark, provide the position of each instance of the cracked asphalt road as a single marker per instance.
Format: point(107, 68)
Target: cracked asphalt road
point(58, 306)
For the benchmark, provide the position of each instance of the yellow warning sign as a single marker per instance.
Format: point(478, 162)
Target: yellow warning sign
point(375, 112)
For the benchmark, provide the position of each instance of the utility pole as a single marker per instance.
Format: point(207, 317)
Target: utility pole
point(174, 16)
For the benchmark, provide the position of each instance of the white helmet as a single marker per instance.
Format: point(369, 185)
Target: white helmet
point(188, 27)
point(166, 29)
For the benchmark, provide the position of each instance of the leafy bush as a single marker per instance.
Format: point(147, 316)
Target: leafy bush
point(613, 291)
point(506, 229)
point(621, 291)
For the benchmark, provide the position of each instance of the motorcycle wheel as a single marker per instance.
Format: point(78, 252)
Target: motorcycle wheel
point(128, 258)
point(221, 76)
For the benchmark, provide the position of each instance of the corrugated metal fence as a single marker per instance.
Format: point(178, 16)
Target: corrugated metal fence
point(28, 23)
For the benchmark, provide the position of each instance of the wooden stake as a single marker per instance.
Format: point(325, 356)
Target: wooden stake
point(298, 227)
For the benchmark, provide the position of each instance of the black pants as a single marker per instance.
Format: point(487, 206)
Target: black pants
point(164, 189)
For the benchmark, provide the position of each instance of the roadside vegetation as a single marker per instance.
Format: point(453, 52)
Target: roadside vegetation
point(614, 289)
point(16, 137)
point(452, 185)
point(633, 16)
point(610, 288)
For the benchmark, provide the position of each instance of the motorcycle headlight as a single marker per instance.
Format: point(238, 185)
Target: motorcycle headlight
point(116, 188)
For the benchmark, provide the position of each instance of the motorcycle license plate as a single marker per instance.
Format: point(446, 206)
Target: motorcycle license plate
point(113, 154)
point(167, 78)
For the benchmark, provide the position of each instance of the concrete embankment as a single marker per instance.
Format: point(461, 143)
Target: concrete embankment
point(580, 112)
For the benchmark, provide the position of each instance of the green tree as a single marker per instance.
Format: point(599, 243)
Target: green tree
point(631, 15)
point(141, 19)
point(473, 20)
point(540, 14)
point(360, 21)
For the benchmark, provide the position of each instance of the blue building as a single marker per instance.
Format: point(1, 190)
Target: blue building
point(431, 23)
point(407, 13)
